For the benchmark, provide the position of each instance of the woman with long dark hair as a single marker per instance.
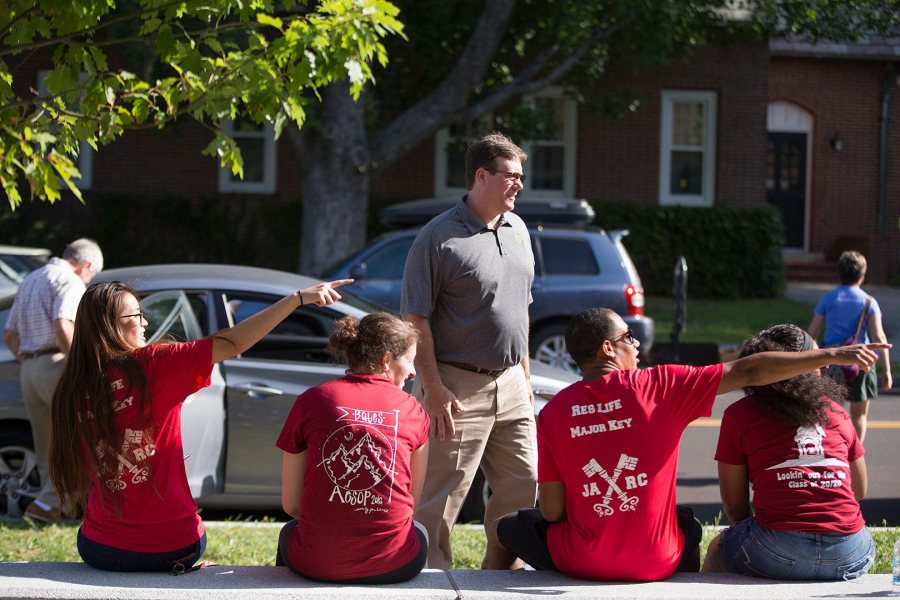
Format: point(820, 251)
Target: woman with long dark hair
point(798, 449)
point(355, 454)
point(116, 450)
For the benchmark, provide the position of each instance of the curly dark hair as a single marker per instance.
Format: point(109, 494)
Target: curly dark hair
point(800, 400)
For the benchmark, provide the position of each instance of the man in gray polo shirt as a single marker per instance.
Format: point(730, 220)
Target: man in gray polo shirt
point(467, 287)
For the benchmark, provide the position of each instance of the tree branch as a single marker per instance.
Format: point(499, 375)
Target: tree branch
point(525, 83)
point(223, 78)
point(448, 103)
point(21, 16)
point(11, 50)
point(431, 112)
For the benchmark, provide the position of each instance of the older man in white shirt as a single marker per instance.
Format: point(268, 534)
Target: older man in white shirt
point(39, 333)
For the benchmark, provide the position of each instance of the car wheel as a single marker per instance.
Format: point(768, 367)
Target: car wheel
point(20, 481)
point(548, 346)
point(473, 508)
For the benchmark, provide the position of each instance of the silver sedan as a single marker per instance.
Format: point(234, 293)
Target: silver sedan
point(231, 426)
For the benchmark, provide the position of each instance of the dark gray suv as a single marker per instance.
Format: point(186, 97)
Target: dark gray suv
point(576, 267)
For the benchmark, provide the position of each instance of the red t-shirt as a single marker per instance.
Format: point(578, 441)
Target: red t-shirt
point(158, 513)
point(613, 442)
point(800, 475)
point(359, 433)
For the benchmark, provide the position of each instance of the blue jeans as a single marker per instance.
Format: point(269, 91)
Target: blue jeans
point(751, 549)
point(107, 558)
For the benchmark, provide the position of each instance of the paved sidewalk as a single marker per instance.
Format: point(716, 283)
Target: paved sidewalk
point(76, 581)
point(888, 299)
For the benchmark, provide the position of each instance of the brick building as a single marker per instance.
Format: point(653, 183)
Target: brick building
point(795, 125)
point(834, 158)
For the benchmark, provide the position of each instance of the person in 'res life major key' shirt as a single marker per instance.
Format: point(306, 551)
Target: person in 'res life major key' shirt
point(355, 455)
point(120, 399)
point(608, 452)
point(799, 450)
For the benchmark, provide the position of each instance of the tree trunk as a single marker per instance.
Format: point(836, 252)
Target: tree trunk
point(334, 180)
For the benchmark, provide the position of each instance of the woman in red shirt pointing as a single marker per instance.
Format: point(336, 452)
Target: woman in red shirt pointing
point(116, 449)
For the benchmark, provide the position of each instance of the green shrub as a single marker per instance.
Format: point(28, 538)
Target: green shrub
point(245, 231)
point(730, 252)
point(136, 230)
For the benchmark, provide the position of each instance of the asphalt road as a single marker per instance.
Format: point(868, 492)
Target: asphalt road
point(698, 484)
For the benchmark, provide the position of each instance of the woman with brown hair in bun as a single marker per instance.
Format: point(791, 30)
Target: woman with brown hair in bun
point(355, 453)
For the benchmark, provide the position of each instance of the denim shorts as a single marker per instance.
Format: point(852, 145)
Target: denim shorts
point(751, 549)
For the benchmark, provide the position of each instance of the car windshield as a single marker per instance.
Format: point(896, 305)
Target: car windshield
point(5, 305)
point(338, 266)
point(344, 263)
point(357, 302)
point(16, 266)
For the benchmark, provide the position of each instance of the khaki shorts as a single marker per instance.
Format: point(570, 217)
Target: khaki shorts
point(863, 387)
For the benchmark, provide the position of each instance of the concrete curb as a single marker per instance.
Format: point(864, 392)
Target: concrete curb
point(466, 526)
point(76, 581)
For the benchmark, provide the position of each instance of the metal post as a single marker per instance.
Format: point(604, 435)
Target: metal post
point(680, 292)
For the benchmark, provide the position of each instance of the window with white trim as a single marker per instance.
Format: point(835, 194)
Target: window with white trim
point(550, 168)
point(85, 160)
point(257, 144)
point(688, 148)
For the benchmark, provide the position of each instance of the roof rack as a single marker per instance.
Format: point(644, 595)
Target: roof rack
point(573, 212)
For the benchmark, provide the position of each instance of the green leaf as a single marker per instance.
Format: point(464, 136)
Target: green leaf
point(61, 79)
point(270, 21)
point(165, 42)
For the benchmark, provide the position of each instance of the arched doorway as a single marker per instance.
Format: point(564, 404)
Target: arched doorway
point(787, 169)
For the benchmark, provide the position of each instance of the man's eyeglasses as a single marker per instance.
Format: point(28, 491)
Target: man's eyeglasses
point(520, 177)
point(627, 337)
point(137, 314)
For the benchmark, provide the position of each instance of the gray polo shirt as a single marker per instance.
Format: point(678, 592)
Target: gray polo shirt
point(473, 284)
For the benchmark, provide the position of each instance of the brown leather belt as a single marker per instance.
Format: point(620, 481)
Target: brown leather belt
point(491, 372)
point(37, 353)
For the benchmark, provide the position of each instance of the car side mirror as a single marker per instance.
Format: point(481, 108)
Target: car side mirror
point(358, 271)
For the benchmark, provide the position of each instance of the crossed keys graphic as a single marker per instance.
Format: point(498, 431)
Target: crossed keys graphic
point(139, 473)
point(602, 508)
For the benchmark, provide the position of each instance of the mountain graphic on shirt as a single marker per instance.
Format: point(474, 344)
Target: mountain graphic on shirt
point(357, 467)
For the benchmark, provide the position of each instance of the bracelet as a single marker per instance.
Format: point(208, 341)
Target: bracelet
point(300, 295)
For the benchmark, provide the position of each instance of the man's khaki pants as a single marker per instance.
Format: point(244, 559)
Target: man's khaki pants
point(38, 377)
point(497, 432)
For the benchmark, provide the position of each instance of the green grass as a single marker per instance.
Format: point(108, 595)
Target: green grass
point(469, 543)
point(726, 321)
point(243, 544)
point(227, 543)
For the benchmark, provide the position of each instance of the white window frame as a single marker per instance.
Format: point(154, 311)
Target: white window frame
point(570, 132)
point(709, 101)
point(270, 157)
point(85, 161)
